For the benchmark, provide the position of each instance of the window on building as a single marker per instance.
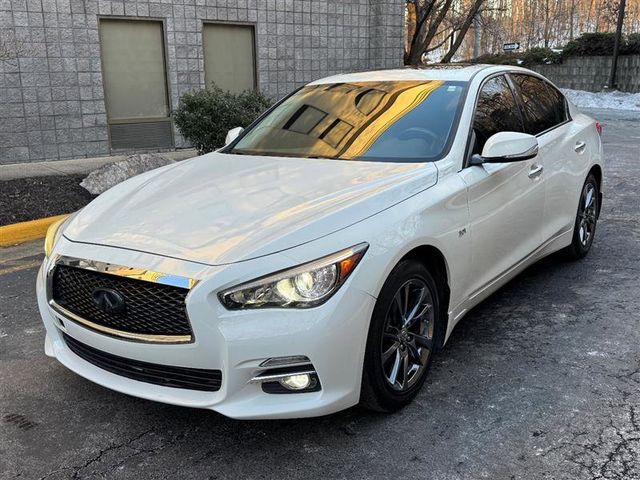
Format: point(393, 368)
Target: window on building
point(305, 119)
point(135, 83)
point(229, 56)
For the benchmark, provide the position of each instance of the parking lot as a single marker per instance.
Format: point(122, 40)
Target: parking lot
point(540, 381)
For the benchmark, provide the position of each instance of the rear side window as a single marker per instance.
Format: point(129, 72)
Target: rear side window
point(544, 106)
point(496, 111)
point(559, 103)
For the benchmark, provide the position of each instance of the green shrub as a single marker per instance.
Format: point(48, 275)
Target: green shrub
point(589, 44)
point(540, 55)
point(204, 117)
point(533, 56)
point(496, 59)
point(632, 45)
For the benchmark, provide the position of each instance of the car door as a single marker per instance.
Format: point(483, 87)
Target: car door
point(505, 199)
point(560, 149)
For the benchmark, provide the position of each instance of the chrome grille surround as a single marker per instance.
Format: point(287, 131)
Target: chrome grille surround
point(123, 275)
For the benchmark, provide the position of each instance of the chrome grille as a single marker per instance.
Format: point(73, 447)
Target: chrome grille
point(151, 309)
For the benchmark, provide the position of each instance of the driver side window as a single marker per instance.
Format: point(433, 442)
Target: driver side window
point(496, 111)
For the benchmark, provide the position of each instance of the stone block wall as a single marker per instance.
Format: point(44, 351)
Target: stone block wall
point(592, 73)
point(52, 98)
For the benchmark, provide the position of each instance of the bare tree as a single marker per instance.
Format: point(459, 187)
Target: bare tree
point(536, 23)
point(429, 17)
point(471, 15)
point(431, 24)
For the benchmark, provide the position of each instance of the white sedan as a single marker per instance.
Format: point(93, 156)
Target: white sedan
point(324, 255)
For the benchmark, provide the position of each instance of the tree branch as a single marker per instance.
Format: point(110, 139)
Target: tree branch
point(463, 31)
point(430, 16)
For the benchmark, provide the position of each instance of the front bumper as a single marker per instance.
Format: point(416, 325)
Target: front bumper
point(332, 336)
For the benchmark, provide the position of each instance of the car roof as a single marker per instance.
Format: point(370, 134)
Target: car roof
point(448, 71)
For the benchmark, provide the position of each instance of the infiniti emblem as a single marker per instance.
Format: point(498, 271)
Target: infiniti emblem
point(108, 300)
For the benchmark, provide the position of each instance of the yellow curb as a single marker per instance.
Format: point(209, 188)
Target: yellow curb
point(18, 233)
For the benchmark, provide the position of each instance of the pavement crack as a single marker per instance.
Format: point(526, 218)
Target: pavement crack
point(53, 472)
point(629, 375)
point(149, 451)
point(633, 417)
point(77, 470)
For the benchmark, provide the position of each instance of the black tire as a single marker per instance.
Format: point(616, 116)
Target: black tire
point(377, 392)
point(584, 228)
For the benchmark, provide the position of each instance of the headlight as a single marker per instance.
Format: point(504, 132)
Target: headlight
point(305, 286)
point(53, 233)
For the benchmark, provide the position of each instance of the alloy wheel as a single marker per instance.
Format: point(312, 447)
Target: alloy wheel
point(407, 339)
point(587, 214)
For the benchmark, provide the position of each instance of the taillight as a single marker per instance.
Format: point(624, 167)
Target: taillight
point(599, 128)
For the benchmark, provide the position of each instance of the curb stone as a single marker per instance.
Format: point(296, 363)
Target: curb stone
point(21, 232)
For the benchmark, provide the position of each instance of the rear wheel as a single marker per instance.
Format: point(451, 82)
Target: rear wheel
point(586, 220)
point(401, 338)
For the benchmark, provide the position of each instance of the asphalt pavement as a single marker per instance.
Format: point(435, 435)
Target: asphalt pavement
point(541, 381)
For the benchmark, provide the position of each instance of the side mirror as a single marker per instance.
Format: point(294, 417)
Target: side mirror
point(507, 147)
point(232, 135)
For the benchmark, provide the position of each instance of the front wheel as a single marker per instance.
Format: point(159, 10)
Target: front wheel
point(586, 220)
point(401, 338)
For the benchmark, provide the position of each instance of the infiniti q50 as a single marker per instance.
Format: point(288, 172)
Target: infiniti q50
point(323, 256)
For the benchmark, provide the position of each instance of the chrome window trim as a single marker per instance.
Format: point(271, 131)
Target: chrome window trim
point(123, 271)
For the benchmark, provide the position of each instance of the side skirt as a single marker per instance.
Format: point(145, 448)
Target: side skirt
point(555, 243)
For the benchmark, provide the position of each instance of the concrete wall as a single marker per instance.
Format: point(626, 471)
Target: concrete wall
point(52, 101)
point(592, 73)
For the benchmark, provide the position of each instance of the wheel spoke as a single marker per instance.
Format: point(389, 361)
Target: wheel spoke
point(390, 336)
point(394, 371)
point(414, 310)
point(418, 316)
point(405, 307)
point(386, 355)
point(414, 354)
point(405, 370)
point(588, 199)
point(422, 341)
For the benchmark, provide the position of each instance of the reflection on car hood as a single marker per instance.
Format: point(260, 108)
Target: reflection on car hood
point(221, 208)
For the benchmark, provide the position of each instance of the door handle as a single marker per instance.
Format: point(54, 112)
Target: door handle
point(580, 146)
point(536, 171)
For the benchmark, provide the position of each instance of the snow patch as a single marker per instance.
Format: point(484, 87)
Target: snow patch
point(109, 175)
point(614, 100)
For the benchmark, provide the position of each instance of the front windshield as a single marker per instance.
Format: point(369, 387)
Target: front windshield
point(386, 121)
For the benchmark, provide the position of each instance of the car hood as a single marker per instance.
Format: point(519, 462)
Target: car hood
point(220, 208)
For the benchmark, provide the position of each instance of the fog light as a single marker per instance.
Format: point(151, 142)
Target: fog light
point(296, 382)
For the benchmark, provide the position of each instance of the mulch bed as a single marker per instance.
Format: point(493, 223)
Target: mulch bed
point(31, 198)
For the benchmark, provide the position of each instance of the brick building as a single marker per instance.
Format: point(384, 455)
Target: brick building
point(95, 77)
